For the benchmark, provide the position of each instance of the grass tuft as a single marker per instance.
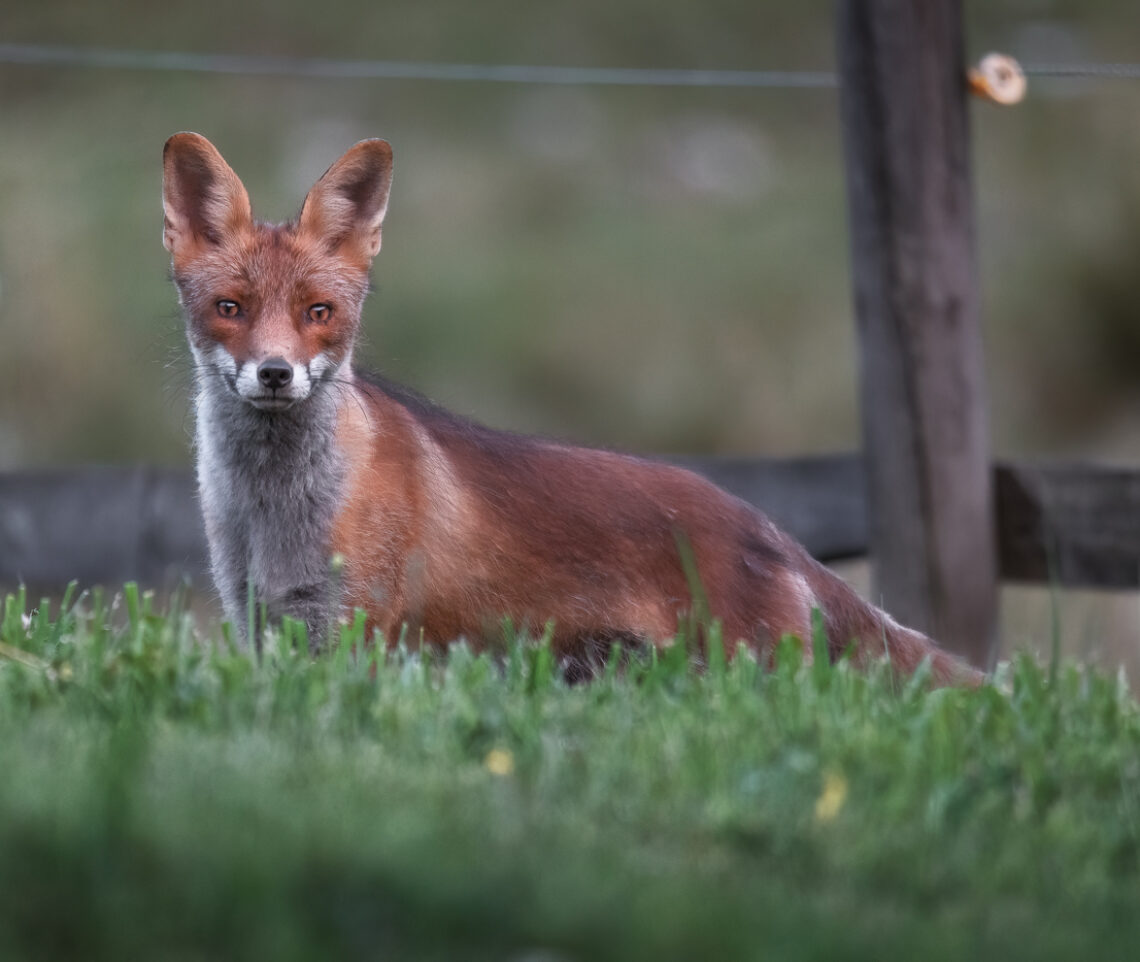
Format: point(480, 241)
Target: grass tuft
point(165, 795)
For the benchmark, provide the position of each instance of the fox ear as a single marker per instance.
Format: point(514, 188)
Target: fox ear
point(347, 205)
point(202, 199)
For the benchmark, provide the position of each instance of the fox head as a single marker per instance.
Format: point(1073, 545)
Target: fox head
point(272, 310)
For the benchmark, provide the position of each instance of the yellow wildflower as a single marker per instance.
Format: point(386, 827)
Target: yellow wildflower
point(499, 761)
point(831, 799)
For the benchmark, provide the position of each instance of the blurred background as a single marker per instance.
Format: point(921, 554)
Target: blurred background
point(652, 268)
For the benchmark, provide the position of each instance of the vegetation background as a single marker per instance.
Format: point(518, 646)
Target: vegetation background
point(657, 269)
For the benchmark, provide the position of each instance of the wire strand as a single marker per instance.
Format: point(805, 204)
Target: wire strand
point(1099, 71)
point(320, 67)
point(51, 55)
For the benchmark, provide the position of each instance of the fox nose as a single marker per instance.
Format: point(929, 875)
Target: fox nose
point(275, 372)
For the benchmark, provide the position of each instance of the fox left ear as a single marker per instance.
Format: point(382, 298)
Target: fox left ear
point(347, 205)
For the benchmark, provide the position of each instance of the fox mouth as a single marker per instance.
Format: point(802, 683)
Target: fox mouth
point(271, 403)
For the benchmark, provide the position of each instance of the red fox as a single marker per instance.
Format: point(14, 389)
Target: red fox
point(442, 525)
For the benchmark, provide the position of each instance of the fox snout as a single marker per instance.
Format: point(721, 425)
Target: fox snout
point(275, 373)
point(275, 383)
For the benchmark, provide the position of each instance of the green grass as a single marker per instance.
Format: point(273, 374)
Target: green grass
point(162, 797)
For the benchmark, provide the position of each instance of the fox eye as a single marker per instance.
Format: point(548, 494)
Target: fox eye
point(228, 308)
point(320, 313)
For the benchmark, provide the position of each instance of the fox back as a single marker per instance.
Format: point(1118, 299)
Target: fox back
point(439, 526)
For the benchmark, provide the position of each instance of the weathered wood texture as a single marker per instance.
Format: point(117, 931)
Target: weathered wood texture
point(1069, 524)
point(100, 525)
point(925, 435)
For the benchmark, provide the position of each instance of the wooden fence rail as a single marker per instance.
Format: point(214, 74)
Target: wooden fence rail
point(1069, 524)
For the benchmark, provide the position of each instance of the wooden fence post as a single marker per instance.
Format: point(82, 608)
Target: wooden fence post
point(925, 433)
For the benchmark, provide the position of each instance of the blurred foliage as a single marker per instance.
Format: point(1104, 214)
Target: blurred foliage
point(658, 269)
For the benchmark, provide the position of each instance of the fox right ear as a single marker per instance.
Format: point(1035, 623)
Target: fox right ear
point(202, 198)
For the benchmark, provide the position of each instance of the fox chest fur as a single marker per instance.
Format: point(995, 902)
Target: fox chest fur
point(270, 486)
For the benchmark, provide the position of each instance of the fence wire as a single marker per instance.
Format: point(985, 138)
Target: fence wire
point(319, 67)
